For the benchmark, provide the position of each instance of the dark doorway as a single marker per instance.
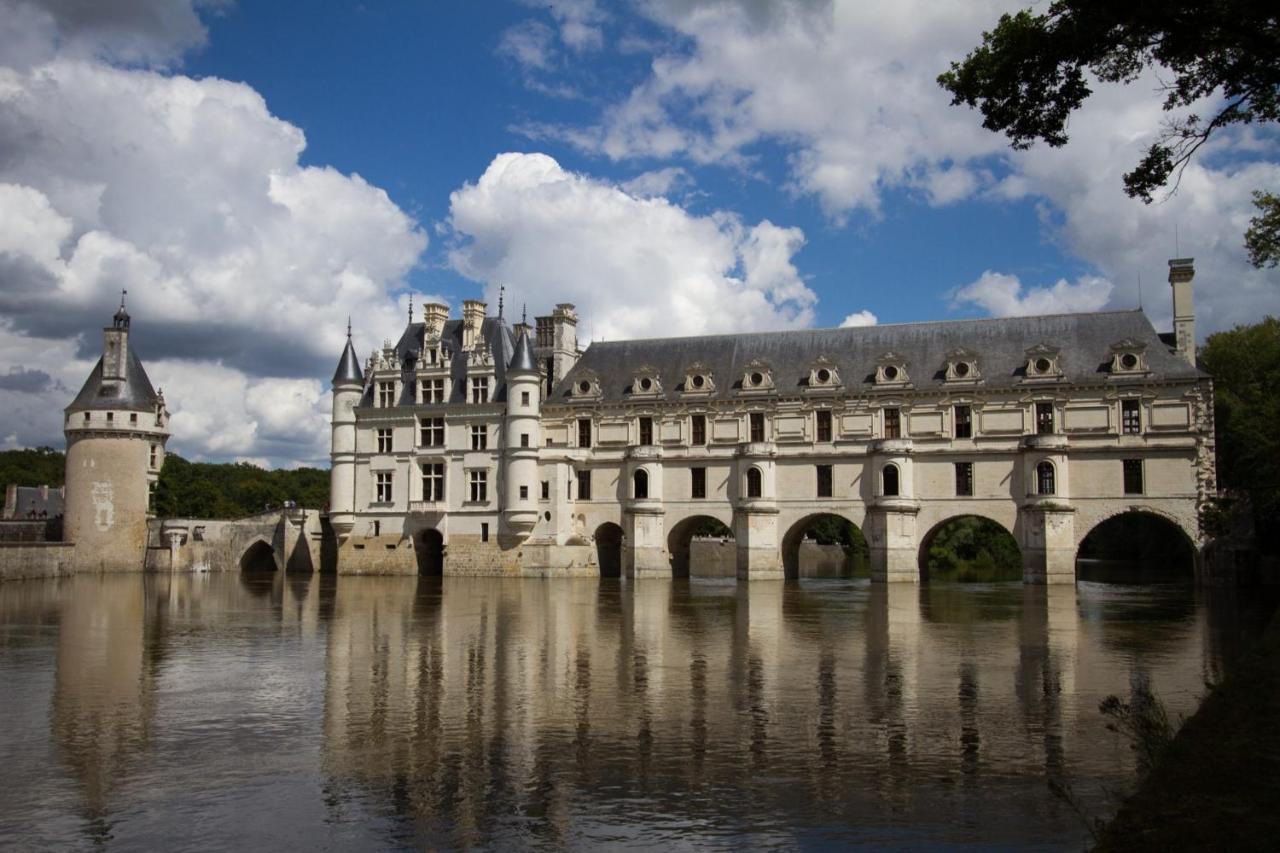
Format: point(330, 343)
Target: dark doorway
point(1136, 547)
point(258, 557)
point(609, 550)
point(430, 548)
point(969, 549)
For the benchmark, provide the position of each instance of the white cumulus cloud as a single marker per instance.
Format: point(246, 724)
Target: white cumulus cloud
point(1002, 295)
point(859, 318)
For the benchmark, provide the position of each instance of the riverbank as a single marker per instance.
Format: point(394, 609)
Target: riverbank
point(1215, 788)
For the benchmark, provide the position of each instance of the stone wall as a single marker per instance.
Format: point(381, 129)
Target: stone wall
point(24, 530)
point(25, 560)
point(822, 561)
point(106, 509)
point(713, 558)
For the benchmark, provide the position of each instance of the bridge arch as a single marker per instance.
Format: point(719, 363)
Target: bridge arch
point(608, 540)
point(827, 528)
point(680, 542)
point(259, 556)
point(1138, 544)
point(970, 547)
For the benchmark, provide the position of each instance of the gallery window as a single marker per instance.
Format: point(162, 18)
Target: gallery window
point(382, 487)
point(755, 483)
point(698, 430)
point(698, 480)
point(384, 441)
point(889, 481)
point(757, 426)
point(1045, 484)
point(1130, 417)
point(584, 485)
point(964, 422)
point(431, 432)
point(892, 423)
point(823, 423)
point(646, 432)
point(479, 437)
point(964, 479)
point(1044, 418)
point(1133, 477)
point(639, 484)
point(825, 480)
point(433, 481)
point(479, 483)
point(584, 432)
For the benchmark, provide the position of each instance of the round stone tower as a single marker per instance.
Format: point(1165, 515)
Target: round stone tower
point(524, 384)
point(116, 430)
point(348, 387)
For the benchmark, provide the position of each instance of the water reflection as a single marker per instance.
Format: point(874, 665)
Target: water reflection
point(374, 712)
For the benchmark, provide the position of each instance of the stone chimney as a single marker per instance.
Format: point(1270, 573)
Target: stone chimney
point(473, 311)
point(1181, 272)
point(434, 316)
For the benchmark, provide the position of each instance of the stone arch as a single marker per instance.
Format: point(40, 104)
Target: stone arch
point(795, 535)
point(608, 539)
point(680, 544)
point(429, 549)
point(991, 552)
point(259, 556)
point(1137, 544)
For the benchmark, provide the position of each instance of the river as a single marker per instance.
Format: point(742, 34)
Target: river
point(311, 712)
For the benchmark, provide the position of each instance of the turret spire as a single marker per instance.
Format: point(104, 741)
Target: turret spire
point(348, 366)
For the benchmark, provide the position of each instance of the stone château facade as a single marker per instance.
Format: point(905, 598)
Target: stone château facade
point(472, 447)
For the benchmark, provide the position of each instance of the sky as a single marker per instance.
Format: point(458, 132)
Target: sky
point(256, 172)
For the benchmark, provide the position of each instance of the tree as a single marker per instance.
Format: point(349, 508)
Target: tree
point(1245, 363)
point(1028, 77)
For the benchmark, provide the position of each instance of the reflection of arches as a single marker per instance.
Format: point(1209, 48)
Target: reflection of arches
point(1045, 484)
point(889, 477)
point(259, 557)
point(680, 540)
point(640, 484)
point(609, 549)
point(970, 548)
point(1137, 545)
point(827, 531)
point(755, 483)
point(430, 551)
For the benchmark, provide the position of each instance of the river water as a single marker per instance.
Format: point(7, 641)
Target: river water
point(310, 712)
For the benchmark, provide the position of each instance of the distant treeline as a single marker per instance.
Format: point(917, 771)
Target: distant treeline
point(190, 489)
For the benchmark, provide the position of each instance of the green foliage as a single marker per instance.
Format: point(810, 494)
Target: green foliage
point(972, 549)
point(1262, 240)
point(834, 530)
point(1028, 76)
point(204, 490)
point(42, 466)
point(1144, 722)
point(1245, 363)
point(712, 527)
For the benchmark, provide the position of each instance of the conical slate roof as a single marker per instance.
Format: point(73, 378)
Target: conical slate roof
point(522, 360)
point(134, 393)
point(348, 366)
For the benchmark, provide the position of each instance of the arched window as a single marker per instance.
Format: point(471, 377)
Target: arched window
point(640, 484)
point(754, 483)
point(890, 477)
point(1044, 478)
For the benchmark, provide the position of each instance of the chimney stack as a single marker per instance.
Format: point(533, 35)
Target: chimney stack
point(473, 311)
point(434, 316)
point(1181, 272)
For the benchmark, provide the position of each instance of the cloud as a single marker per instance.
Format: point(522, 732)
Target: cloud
point(28, 381)
point(529, 44)
point(241, 263)
point(1002, 295)
point(860, 318)
point(658, 182)
point(635, 266)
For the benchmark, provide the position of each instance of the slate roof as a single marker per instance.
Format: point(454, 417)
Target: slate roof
point(523, 360)
point(494, 330)
point(348, 366)
point(1084, 342)
point(133, 394)
point(30, 499)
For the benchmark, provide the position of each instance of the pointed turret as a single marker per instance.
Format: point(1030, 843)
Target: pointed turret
point(522, 360)
point(348, 385)
point(348, 366)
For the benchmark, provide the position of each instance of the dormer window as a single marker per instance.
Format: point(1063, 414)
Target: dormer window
point(646, 383)
point(1042, 362)
point(891, 369)
point(698, 380)
point(758, 377)
point(962, 366)
point(586, 385)
point(823, 374)
point(1128, 357)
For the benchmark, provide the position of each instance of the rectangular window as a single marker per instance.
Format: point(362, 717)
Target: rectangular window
point(757, 426)
point(964, 422)
point(479, 482)
point(1044, 418)
point(1130, 417)
point(479, 437)
point(1133, 476)
point(524, 493)
point(646, 432)
point(384, 441)
point(433, 481)
point(484, 531)
point(584, 485)
point(431, 432)
point(892, 423)
point(479, 389)
point(824, 481)
point(584, 432)
point(386, 395)
point(383, 492)
point(964, 479)
point(432, 390)
point(699, 482)
point(524, 398)
point(698, 430)
point(110, 417)
point(546, 490)
point(155, 454)
point(824, 424)
point(133, 418)
point(524, 439)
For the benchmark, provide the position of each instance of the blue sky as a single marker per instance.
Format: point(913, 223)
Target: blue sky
point(254, 174)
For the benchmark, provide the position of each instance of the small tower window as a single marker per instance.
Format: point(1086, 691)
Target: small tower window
point(1045, 484)
point(755, 483)
point(824, 481)
point(1044, 418)
point(698, 479)
point(524, 398)
point(111, 416)
point(823, 417)
point(892, 423)
point(1133, 477)
point(639, 485)
point(698, 430)
point(524, 439)
point(1130, 417)
point(889, 480)
point(964, 479)
point(133, 417)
